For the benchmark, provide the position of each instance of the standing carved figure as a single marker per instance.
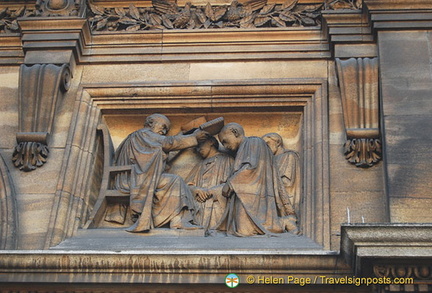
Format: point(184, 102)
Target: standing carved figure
point(206, 181)
point(288, 164)
point(253, 187)
point(156, 198)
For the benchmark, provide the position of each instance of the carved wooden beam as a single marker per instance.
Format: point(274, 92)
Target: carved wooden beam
point(358, 79)
point(39, 90)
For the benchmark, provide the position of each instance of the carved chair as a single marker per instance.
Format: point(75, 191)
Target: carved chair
point(107, 194)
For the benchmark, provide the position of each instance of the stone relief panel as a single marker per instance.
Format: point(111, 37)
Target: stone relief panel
point(40, 8)
point(168, 15)
point(287, 107)
point(198, 179)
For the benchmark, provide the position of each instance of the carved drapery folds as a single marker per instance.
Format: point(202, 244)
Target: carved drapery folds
point(358, 79)
point(8, 212)
point(39, 91)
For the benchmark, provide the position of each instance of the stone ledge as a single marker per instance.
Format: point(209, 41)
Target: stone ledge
point(366, 245)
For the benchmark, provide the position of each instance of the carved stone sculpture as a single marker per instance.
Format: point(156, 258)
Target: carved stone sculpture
point(57, 7)
point(206, 181)
point(255, 206)
point(39, 91)
point(8, 210)
point(167, 15)
point(288, 165)
point(156, 198)
point(358, 79)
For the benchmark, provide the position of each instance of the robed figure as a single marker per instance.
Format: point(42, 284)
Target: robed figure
point(156, 198)
point(288, 164)
point(256, 206)
point(206, 181)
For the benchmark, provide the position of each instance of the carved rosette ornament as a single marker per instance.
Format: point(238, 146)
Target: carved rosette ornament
point(358, 80)
point(58, 7)
point(39, 90)
point(344, 4)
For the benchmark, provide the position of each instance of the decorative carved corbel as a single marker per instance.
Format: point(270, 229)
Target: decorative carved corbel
point(358, 80)
point(39, 90)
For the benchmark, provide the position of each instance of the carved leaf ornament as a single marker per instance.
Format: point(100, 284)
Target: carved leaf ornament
point(167, 15)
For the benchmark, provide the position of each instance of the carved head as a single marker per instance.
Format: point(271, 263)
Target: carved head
point(231, 136)
point(208, 147)
point(158, 123)
point(274, 141)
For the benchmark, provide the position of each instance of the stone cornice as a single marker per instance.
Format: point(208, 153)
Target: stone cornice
point(175, 267)
point(365, 245)
point(135, 41)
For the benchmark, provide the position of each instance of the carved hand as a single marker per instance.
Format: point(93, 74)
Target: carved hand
point(201, 135)
point(226, 190)
point(201, 194)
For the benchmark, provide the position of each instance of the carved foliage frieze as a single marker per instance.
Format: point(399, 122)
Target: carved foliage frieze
point(167, 15)
point(39, 90)
point(358, 80)
point(44, 8)
point(8, 20)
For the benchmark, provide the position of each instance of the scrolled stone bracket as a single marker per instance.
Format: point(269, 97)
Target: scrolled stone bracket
point(358, 80)
point(40, 88)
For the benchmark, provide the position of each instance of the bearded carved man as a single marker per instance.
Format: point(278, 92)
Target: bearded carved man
point(156, 198)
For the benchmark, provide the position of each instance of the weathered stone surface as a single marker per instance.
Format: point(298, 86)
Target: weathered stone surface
point(293, 69)
point(410, 210)
point(134, 73)
point(9, 77)
point(33, 213)
point(36, 183)
point(406, 77)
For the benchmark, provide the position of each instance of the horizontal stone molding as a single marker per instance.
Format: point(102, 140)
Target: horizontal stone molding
point(155, 267)
point(365, 246)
